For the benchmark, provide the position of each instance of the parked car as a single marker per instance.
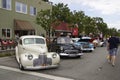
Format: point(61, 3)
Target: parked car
point(65, 48)
point(101, 44)
point(32, 53)
point(85, 44)
point(75, 39)
point(98, 43)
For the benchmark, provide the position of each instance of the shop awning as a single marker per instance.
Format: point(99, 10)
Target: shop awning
point(22, 25)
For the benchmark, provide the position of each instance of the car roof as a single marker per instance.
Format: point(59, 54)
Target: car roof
point(86, 38)
point(75, 39)
point(31, 36)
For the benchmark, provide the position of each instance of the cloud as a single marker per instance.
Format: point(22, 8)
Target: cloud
point(114, 25)
point(106, 7)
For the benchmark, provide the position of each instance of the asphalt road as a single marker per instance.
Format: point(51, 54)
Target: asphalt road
point(13, 75)
point(92, 66)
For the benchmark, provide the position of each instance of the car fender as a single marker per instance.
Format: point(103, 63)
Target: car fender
point(16, 54)
point(25, 61)
point(56, 59)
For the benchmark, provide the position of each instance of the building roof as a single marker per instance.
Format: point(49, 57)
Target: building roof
point(63, 27)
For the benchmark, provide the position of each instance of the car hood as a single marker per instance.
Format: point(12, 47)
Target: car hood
point(36, 48)
point(68, 46)
point(83, 43)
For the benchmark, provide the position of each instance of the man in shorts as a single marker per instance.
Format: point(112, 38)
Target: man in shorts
point(112, 48)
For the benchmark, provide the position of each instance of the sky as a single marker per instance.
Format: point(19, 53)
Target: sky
point(109, 10)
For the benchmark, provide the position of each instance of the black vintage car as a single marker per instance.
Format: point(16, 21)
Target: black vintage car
point(65, 47)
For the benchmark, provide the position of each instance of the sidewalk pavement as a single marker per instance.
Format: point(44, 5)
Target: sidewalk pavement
point(8, 73)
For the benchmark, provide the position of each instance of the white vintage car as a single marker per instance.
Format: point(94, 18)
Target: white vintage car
point(32, 53)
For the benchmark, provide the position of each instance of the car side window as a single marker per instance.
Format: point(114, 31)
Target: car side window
point(29, 41)
point(39, 41)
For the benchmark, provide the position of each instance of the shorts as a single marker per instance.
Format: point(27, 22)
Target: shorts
point(113, 52)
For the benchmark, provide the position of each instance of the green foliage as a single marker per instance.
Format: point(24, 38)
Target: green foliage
point(44, 19)
point(61, 12)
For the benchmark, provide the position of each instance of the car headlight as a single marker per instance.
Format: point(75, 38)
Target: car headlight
point(81, 47)
point(30, 57)
point(54, 55)
point(61, 48)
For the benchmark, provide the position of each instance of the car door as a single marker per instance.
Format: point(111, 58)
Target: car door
point(20, 47)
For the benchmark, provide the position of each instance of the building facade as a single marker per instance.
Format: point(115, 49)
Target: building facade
point(18, 17)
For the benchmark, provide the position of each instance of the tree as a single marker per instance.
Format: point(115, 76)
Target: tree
point(44, 19)
point(112, 31)
point(77, 18)
point(101, 26)
point(61, 12)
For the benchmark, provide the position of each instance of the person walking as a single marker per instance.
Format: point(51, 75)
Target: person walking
point(112, 47)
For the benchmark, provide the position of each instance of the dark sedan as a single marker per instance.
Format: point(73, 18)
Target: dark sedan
point(65, 47)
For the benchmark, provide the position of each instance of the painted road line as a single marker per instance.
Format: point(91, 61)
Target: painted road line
point(35, 73)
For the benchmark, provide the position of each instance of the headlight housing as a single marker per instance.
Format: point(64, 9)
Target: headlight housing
point(30, 57)
point(54, 55)
point(61, 48)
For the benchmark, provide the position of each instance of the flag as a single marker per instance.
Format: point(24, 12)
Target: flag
point(75, 31)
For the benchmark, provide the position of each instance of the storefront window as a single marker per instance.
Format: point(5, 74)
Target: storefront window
point(6, 33)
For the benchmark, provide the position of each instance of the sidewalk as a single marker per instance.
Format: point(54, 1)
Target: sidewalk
point(8, 73)
point(15, 75)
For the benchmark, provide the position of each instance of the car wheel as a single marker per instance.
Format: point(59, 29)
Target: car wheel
point(102, 45)
point(50, 49)
point(21, 66)
point(90, 51)
point(78, 56)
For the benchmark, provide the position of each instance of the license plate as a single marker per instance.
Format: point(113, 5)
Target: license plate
point(43, 65)
point(72, 55)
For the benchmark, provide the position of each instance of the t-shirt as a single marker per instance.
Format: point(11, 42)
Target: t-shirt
point(113, 42)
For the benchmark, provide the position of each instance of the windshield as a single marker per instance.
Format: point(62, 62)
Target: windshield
point(33, 41)
point(63, 40)
point(84, 40)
